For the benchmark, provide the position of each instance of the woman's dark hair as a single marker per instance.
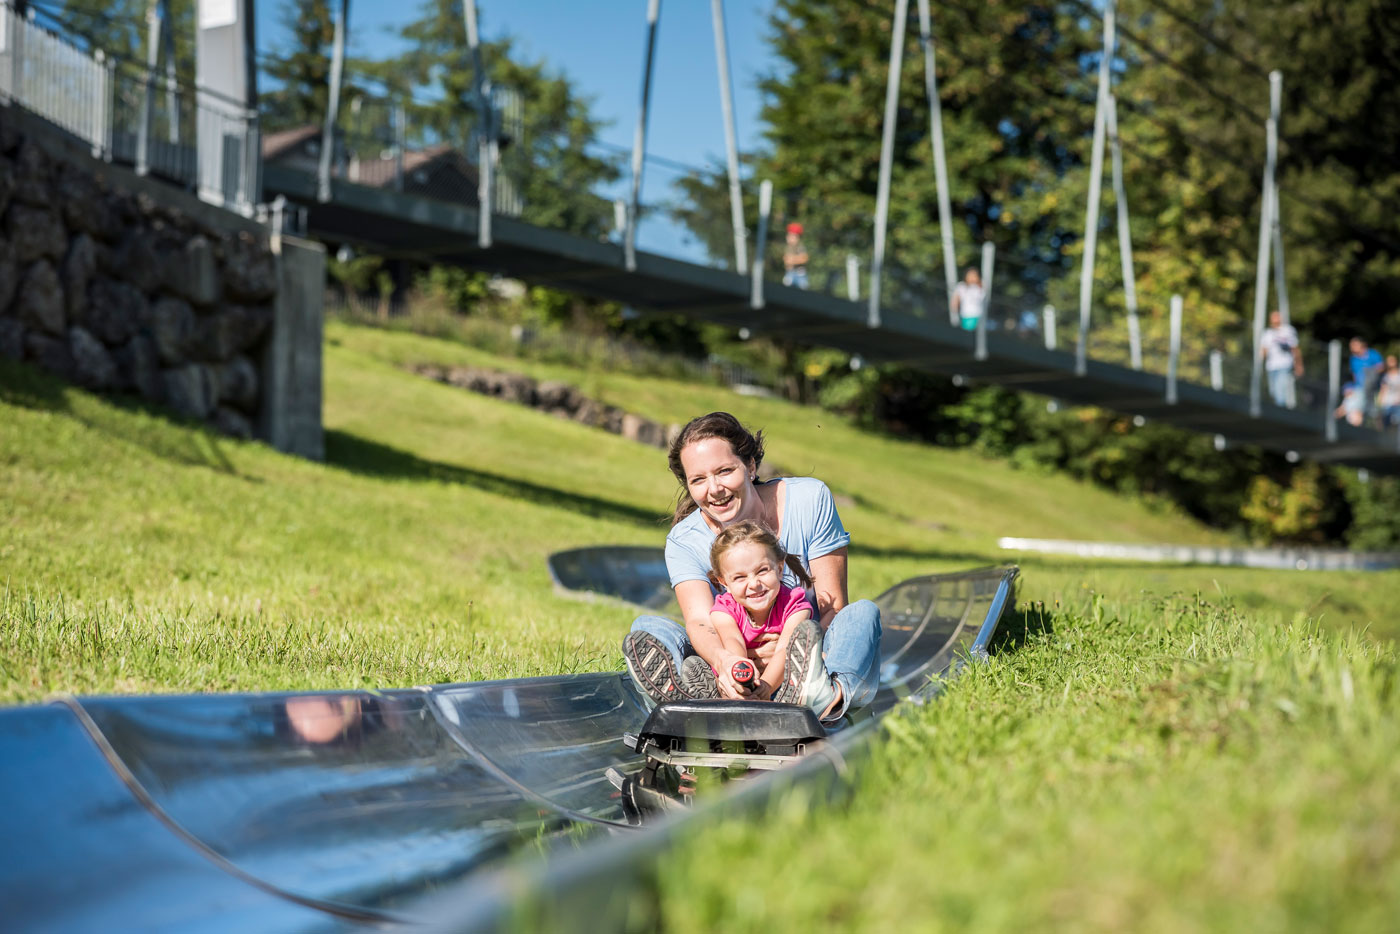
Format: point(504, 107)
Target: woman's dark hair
point(746, 531)
point(747, 445)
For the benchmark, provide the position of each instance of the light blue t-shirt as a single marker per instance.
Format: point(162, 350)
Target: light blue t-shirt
point(810, 529)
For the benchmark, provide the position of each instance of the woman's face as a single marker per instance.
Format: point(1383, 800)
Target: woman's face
point(719, 481)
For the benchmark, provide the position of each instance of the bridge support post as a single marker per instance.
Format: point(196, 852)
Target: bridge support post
point(485, 130)
point(882, 196)
point(760, 253)
point(1091, 216)
point(155, 29)
point(731, 144)
point(1217, 370)
point(639, 141)
point(400, 140)
point(1261, 271)
point(940, 162)
point(1125, 238)
point(1334, 388)
point(852, 277)
point(226, 95)
point(1174, 349)
point(1048, 316)
point(989, 257)
point(323, 168)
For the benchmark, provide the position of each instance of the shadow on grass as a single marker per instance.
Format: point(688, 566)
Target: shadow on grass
point(370, 458)
point(28, 387)
point(1019, 625)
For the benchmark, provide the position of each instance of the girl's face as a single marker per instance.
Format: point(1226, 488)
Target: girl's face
point(719, 481)
point(752, 574)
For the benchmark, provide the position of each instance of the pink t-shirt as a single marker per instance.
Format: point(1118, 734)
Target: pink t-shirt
point(790, 600)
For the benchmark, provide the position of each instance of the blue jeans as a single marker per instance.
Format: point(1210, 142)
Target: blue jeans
point(851, 649)
point(1281, 387)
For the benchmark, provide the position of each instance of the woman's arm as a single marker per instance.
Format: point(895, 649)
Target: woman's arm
point(773, 675)
point(829, 582)
point(695, 600)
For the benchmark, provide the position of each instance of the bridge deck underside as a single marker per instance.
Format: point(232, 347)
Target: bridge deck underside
point(395, 224)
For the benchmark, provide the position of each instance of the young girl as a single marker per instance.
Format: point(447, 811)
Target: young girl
point(747, 562)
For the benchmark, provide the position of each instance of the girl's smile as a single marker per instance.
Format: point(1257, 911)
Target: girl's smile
point(752, 576)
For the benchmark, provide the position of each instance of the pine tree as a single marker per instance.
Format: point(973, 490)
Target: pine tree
point(298, 90)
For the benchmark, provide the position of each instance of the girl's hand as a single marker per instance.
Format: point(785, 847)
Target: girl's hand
point(728, 687)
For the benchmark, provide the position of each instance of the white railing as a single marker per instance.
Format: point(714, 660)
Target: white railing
point(55, 80)
point(194, 137)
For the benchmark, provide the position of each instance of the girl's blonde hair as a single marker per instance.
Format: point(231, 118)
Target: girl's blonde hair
point(745, 532)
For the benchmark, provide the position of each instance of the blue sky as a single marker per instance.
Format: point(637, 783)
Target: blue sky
point(600, 47)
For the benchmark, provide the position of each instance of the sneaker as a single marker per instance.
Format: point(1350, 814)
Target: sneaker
point(698, 678)
point(805, 678)
point(651, 667)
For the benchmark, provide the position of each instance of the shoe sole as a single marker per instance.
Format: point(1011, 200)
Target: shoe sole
point(698, 680)
point(805, 641)
point(652, 670)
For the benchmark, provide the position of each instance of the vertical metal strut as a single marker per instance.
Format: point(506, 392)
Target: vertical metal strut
point(1261, 271)
point(155, 29)
point(639, 141)
point(1091, 218)
point(731, 144)
point(323, 174)
point(760, 250)
point(989, 258)
point(940, 162)
point(882, 197)
point(1174, 349)
point(1125, 238)
point(486, 128)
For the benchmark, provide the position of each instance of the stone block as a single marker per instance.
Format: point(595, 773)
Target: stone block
point(50, 353)
point(115, 310)
point(40, 304)
point(193, 273)
point(77, 271)
point(11, 339)
point(93, 366)
point(32, 174)
point(7, 182)
point(232, 423)
point(238, 384)
point(36, 232)
point(250, 270)
point(138, 368)
point(189, 390)
point(138, 262)
point(289, 405)
point(233, 330)
point(9, 276)
point(171, 325)
point(85, 205)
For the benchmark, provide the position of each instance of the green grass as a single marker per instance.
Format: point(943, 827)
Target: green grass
point(1176, 749)
point(1168, 765)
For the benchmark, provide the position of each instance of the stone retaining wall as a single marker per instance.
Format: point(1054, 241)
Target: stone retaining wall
point(118, 290)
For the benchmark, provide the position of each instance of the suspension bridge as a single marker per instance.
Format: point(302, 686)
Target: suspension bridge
point(455, 203)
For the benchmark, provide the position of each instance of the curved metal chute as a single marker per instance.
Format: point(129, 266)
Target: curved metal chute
point(290, 812)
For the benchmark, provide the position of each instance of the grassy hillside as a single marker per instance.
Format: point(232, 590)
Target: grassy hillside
point(1171, 748)
point(145, 555)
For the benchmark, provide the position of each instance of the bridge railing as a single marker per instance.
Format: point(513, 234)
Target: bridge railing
point(129, 114)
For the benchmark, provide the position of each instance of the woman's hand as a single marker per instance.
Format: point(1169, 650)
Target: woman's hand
point(762, 654)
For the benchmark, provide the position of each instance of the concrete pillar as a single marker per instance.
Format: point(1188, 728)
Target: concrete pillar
point(290, 416)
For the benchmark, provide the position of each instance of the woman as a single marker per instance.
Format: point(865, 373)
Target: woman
point(1388, 399)
point(716, 461)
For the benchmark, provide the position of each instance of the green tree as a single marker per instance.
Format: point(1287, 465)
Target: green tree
point(299, 86)
point(553, 162)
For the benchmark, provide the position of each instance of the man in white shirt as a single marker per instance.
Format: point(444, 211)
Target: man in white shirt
point(969, 300)
point(1283, 361)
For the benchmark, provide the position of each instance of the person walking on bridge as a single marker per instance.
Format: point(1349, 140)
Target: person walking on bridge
point(795, 258)
point(969, 300)
point(1283, 361)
